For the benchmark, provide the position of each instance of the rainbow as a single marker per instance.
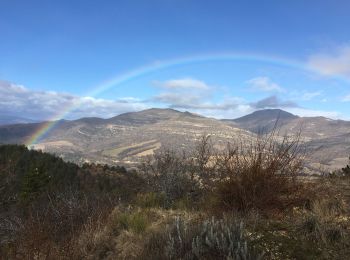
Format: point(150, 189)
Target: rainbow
point(158, 66)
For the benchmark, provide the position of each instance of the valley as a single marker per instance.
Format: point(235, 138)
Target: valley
point(128, 138)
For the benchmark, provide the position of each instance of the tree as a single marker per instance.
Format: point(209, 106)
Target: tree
point(346, 169)
point(34, 184)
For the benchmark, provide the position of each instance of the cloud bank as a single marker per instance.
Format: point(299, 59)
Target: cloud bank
point(17, 100)
point(184, 94)
point(273, 102)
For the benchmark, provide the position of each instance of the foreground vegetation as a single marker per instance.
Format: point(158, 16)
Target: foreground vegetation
point(245, 202)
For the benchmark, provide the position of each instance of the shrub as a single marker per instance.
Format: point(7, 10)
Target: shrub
point(346, 170)
point(33, 184)
point(49, 228)
point(260, 176)
point(170, 174)
point(319, 225)
point(224, 240)
point(150, 200)
point(134, 221)
point(94, 241)
point(210, 239)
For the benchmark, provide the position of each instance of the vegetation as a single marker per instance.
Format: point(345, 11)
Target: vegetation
point(346, 169)
point(248, 201)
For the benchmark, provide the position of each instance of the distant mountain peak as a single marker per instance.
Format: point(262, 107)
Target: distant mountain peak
point(264, 120)
point(156, 109)
point(151, 115)
point(268, 113)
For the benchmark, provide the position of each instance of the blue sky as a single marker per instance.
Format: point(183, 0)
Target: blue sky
point(221, 58)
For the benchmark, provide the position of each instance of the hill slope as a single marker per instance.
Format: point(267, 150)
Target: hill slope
point(124, 138)
point(129, 137)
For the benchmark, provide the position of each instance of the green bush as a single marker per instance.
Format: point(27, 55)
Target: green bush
point(150, 200)
point(133, 221)
point(34, 184)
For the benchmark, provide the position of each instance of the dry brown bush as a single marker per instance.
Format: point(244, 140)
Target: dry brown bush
point(50, 230)
point(260, 175)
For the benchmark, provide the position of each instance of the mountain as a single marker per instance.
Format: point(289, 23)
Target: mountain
point(330, 152)
point(149, 116)
point(311, 128)
point(127, 138)
point(263, 121)
point(327, 141)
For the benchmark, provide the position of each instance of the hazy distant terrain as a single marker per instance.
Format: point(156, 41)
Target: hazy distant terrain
point(327, 141)
point(129, 137)
point(8, 120)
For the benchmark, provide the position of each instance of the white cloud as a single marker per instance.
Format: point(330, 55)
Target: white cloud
point(311, 113)
point(346, 98)
point(178, 99)
point(272, 102)
point(192, 94)
point(185, 83)
point(310, 95)
point(193, 101)
point(229, 113)
point(336, 62)
point(264, 84)
point(17, 100)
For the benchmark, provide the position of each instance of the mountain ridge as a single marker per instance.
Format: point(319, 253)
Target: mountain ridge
point(128, 137)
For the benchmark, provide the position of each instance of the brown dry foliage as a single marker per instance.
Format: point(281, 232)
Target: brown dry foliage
point(50, 231)
point(261, 175)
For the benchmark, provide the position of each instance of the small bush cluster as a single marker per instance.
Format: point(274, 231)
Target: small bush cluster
point(150, 200)
point(208, 239)
point(260, 175)
point(172, 175)
point(135, 221)
point(319, 224)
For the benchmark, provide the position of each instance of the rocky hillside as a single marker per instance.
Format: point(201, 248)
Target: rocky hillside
point(124, 138)
point(129, 137)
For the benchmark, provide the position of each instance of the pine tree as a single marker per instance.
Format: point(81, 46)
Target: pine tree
point(33, 184)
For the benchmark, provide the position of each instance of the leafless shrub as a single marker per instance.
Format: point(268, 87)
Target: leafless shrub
point(260, 175)
point(256, 175)
point(170, 174)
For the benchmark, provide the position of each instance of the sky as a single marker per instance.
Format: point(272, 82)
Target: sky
point(219, 58)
